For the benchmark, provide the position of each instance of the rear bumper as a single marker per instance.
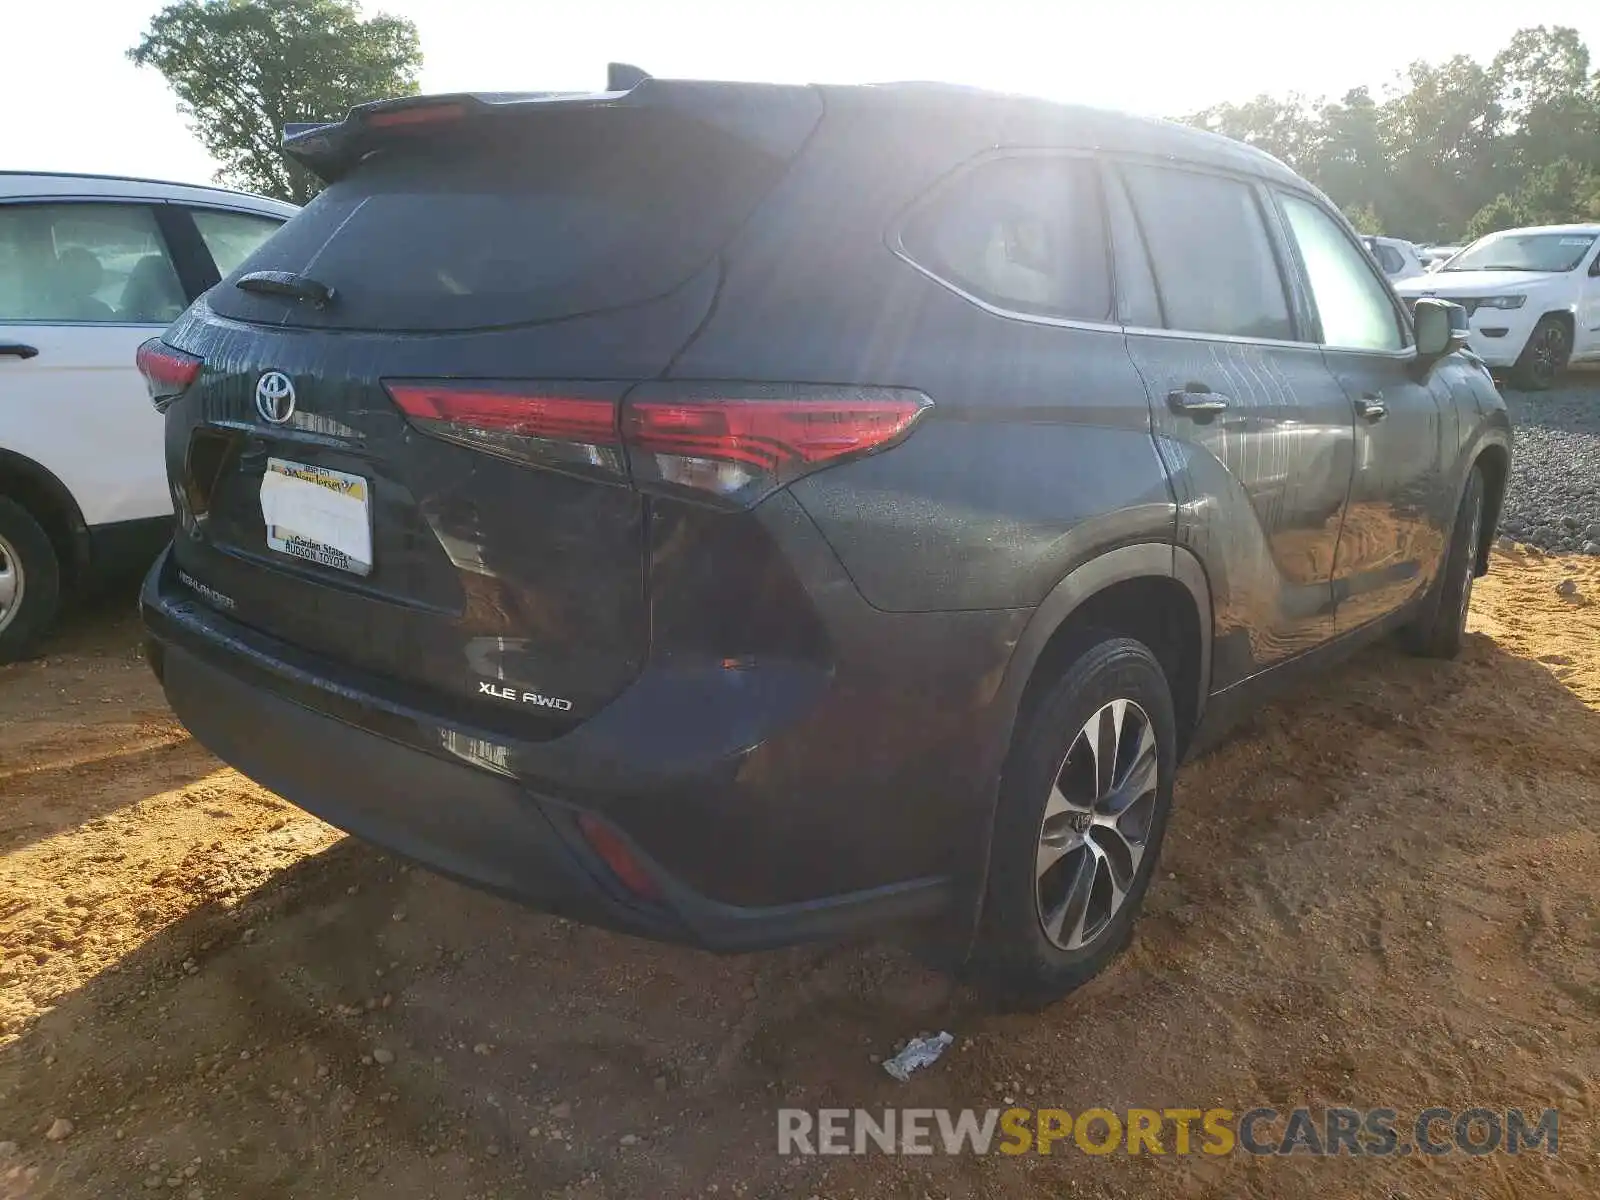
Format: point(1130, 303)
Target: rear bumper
point(467, 805)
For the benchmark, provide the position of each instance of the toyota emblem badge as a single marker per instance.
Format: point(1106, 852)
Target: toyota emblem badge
point(275, 397)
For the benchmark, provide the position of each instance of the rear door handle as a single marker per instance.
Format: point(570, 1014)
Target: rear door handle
point(18, 350)
point(1370, 405)
point(1196, 399)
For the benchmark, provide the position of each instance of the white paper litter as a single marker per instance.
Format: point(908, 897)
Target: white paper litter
point(918, 1053)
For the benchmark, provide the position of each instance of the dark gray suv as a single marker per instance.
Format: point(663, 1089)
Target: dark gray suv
point(744, 514)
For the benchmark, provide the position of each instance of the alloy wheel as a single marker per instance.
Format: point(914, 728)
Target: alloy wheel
point(1096, 825)
point(10, 583)
point(1549, 354)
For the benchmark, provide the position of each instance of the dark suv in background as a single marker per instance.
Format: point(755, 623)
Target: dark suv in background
point(743, 514)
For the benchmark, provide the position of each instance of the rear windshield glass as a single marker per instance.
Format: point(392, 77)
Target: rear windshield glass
point(510, 219)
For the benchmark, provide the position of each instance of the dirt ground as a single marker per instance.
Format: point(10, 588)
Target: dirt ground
point(1384, 891)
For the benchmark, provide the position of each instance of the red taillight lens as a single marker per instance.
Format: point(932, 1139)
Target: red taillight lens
point(167, 372)
point(614, 851)
point(737, 443)
point(567, 425)
point(728, 443)
point(420, 114)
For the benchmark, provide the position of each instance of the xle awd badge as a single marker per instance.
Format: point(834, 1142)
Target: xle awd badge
point(501, 692)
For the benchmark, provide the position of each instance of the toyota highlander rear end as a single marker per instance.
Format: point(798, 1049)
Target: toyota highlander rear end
point(465, 566)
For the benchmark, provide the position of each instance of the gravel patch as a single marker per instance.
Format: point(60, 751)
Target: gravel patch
point(1553, 500)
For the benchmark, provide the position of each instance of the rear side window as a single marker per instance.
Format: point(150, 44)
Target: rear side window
point(1209, 249)
point(232, 237)
point(1388, 258)
point(514, 218)
point(1023, 234)
point(86, 263)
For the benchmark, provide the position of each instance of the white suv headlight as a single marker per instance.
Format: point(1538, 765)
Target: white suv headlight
point(1503, 302)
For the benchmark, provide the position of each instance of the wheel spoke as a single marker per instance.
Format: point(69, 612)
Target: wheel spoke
point(1129, 852)
point(1058, 804)
point(1138, 777)
point(1102, 730)
point(1052, 850)
point(1064, 923)
point(1099, 867)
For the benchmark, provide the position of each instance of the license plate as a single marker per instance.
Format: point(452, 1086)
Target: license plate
point(317, 514)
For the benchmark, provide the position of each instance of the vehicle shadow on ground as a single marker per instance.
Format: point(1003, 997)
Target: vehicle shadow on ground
point(518, 1051)
point(84, 729)
point(99, 622)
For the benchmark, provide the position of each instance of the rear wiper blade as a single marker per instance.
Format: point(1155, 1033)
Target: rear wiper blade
point(285, 283)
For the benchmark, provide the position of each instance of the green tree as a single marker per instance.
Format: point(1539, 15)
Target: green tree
point(1364, 218)
point(1285, 129)
point(243, 69)
point(1552, 111)
point(1558, 192)
point(1449, 145)
point(1354, 166)
point(1500, 213)
point(1441, 129)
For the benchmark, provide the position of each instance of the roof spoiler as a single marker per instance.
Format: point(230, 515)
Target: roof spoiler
point(623, 77)
point(328, 148)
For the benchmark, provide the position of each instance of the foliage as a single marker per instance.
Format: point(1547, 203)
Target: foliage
point(1364, 218)
point(243, 69)
point(1500, 213)
point(1451, 148)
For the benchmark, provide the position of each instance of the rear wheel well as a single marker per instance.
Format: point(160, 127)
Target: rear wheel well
point(1494, 462)
point(1156, 610)
point(48, 502)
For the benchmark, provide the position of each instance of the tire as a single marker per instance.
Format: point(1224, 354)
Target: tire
point(30, 581)
point(1026, 954)
point(1544, 359)
point(1439, 632)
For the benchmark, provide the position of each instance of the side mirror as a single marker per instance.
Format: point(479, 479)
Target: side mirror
point(1442, 328)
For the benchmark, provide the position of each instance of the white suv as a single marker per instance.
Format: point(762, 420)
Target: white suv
point(1532, 297)
point(90, 267)
point(1399, 259)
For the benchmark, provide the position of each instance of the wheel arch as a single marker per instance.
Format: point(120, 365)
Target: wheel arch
point(51, 503)
point(1148, 590)
point(1567, 318)
point(1155, 592)
point(1494, 458)
point(1104, 593)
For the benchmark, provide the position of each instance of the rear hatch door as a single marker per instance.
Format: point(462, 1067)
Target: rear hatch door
point(419, 477)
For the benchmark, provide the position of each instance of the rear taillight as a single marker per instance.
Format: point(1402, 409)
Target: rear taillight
point(739, 442)
point(731, 444)
point(167, 372)
point(413, 115)
point(567, 425)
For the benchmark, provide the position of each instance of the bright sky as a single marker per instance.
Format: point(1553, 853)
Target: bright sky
point(72, 102)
